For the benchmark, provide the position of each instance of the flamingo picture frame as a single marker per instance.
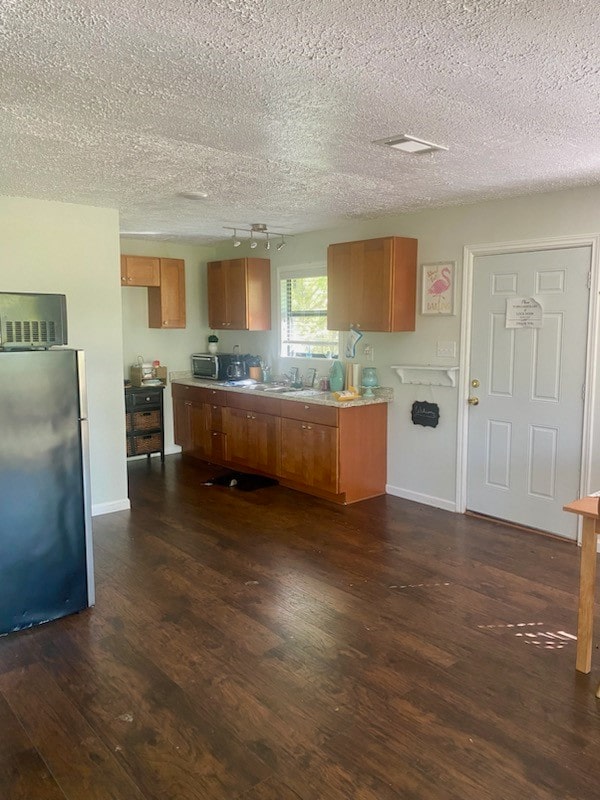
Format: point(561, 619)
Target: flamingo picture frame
point(437, 288)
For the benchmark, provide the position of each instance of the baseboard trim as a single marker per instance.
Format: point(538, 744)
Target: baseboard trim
point(109, 508)
point(419, 497)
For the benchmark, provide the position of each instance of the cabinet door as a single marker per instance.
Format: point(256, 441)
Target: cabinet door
point(372, 284)
point(375, 281)
point(140, 271)
point(181, 423)
point(253, 439)
point(166, 303)
point(198, 429)
point(239, 294)
point(309, 454)
point(236, 294)
point(340, 289)
point(216, 276)
point(227, 300)
point(237, 427)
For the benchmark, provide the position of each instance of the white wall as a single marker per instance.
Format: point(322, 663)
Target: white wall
point(421, 461)
point(74, 250)
point(172, 348)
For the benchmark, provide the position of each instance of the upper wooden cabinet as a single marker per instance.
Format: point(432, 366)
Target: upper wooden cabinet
point(239, 294)
point(371, 284)
point(166, 302)
point(165, 279)
point(140, 271)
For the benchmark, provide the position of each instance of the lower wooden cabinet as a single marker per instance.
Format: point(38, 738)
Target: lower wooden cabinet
point(333, 452)
point(196, 419)
point(309, 454)
point(253, 439)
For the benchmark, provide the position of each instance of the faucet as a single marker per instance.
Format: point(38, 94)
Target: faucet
point(295, 378)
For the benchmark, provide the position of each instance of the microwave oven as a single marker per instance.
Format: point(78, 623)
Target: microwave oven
point(213, 367)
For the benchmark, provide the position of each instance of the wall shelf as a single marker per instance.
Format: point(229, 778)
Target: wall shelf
point(426, 374)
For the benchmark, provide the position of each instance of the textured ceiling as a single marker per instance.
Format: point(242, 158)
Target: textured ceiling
point(271, 106)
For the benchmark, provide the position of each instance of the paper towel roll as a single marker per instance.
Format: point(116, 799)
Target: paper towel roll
point(356, 376)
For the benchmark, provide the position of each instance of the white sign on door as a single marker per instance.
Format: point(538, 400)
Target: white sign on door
point(523, 312)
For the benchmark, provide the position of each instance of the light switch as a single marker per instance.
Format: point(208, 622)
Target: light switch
point(446, 349)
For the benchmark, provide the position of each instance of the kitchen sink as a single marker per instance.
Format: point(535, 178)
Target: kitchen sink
point(274, 389)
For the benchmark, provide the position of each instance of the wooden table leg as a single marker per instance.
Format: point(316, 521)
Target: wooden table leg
point(587, 585)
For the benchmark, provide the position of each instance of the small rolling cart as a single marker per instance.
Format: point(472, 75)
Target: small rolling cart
point(144, 421)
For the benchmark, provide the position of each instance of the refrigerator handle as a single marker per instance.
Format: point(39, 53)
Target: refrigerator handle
point(85, 463)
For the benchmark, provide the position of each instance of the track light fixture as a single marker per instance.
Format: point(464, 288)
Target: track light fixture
point(260, 229)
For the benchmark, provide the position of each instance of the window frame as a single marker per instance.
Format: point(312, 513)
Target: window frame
point(301, 271)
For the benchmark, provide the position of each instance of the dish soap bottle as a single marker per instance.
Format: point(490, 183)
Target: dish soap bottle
point(336, 377)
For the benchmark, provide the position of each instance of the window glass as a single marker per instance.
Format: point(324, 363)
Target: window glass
point(304, 331)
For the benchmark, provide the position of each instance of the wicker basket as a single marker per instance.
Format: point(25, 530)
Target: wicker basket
point(151, 443)
point(143, 421)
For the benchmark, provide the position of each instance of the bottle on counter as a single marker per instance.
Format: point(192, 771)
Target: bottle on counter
point(336, 377)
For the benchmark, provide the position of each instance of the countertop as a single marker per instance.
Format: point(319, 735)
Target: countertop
point(383, 394)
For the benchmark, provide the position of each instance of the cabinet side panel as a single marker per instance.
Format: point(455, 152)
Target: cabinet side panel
point(363, 451)
point(404, 284)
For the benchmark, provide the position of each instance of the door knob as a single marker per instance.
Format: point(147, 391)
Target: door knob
point(473, 401)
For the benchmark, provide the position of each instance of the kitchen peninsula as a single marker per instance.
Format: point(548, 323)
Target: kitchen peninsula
point(308, 440)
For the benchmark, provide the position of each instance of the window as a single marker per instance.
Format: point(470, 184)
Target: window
point(304, 333)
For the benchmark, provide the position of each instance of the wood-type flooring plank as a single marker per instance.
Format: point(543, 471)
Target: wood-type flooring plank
point(274, 646)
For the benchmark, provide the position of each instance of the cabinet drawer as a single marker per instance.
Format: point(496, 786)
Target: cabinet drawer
point(143, 444)
point(147, 398)
point(310, 412)
point(143, 421)
point(199, 394)
point(250, 402)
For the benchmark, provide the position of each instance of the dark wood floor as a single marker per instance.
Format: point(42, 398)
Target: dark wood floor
point(272, 646)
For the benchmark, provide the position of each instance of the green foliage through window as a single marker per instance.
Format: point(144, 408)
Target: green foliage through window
point(304, 331)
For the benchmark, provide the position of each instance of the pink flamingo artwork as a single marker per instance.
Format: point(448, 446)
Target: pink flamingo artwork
point(438, 287)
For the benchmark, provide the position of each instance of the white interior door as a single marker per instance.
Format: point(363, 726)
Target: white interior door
point(525, 434)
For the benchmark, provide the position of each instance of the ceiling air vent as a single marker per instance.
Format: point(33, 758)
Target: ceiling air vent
point(410, 144)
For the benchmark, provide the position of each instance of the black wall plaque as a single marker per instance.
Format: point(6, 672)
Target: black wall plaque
point(424, 413)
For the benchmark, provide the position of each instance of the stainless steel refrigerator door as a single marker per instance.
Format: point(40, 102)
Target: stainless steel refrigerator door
point(43, 531)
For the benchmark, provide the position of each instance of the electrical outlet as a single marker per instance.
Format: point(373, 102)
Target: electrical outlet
point(446, 350)
point(368, 351)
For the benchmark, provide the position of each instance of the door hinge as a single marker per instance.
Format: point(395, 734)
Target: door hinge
point(589, 279)
point(583, 391)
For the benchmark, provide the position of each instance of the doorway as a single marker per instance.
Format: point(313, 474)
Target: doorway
point(525, 415)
